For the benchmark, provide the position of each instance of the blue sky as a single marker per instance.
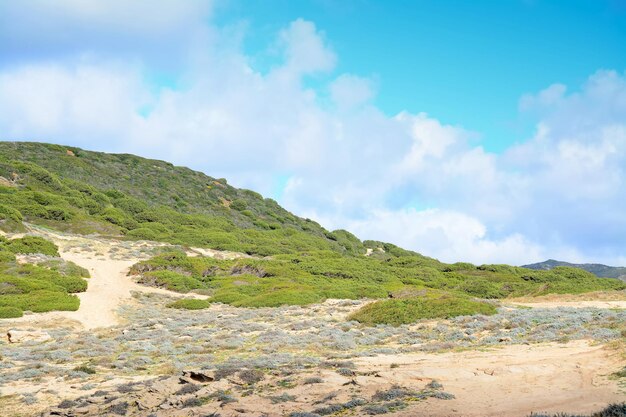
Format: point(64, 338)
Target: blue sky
point(487, 131)
point(465, 62)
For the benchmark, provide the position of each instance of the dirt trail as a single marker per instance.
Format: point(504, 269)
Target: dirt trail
point(108, 288)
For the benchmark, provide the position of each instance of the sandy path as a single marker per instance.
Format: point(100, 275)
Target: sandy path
point(572, 304)
point(108, 288)
point(511, 381)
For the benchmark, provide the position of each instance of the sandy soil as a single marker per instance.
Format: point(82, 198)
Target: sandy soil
point(572, 304)
point(514, 380)
point(108, 288)
point(599, 299)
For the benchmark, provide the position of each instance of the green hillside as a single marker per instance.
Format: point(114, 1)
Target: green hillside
point(93, 192)
point(298, 261)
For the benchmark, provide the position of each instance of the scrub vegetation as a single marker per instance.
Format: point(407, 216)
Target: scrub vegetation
point(46, 284)
point(412, 287)
point(294, 260)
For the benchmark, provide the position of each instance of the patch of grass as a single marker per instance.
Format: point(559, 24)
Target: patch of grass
point(10, 312)
point(190, 304)
point(397, 312)
point(282, 398)
point(86, 369)
point(32, 244)
point(313, 380)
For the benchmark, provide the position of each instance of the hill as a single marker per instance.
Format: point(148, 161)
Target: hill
point(599, 270)
point(293, 260)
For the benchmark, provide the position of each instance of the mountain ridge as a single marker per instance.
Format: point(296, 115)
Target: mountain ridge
point(600, 270)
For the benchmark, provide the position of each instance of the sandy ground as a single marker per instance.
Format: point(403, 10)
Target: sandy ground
point(572, 304)
point(514, 380)
point(511, 381)
point(108, 288)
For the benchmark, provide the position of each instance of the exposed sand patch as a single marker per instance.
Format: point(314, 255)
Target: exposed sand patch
point(511, 381)
point(108, 288)
point(573, 304)
point(599, 299)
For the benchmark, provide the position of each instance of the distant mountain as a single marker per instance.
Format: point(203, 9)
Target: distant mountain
point(599, 270)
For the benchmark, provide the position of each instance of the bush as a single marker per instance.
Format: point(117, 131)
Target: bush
point(33, 244)
point(239, 205)
point(9, 213)
point(41, 301)
point(172, 281)
point(10, 312)
point(190, 304)
point(397, 312)
point(6, 256)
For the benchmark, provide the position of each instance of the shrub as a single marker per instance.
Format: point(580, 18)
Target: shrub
point(396, 312)
point(172, 281)
point(6, 256)
point(41, 301)
point(71, 284)
point(10, 312)
point(190, 304)
point(9, 213)
point(85, 369)
point(239, 205)
point(33, 244)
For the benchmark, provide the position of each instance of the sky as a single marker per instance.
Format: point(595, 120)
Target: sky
point(484, 131)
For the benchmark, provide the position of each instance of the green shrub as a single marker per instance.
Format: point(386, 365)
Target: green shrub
point(9, 213)
point(41, 301)
point(10, 312)
point(239, 205)
point(189, 304)
point(86, 369)
point(71, 284)
point(33, 244)
point(6, 256)
point(397, 312)
point(172, 281)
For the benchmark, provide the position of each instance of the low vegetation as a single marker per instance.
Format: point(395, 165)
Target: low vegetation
point(413, 287)
point(47, 284)
point(189, 304)
point(141, 199)
point(396, 312)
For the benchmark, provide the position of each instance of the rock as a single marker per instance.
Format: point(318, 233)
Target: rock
point(19, 336)
point(200, 376)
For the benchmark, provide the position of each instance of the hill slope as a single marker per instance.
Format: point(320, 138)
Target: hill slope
point(132, 198)
point(599, 270)
point(87, 192)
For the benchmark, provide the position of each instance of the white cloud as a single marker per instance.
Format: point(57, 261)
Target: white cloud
point(138, 17)
point(305, 49)
point(87, 104)
point(350, 91)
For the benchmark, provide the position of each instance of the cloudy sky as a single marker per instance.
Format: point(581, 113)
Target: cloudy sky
point(470, 131)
